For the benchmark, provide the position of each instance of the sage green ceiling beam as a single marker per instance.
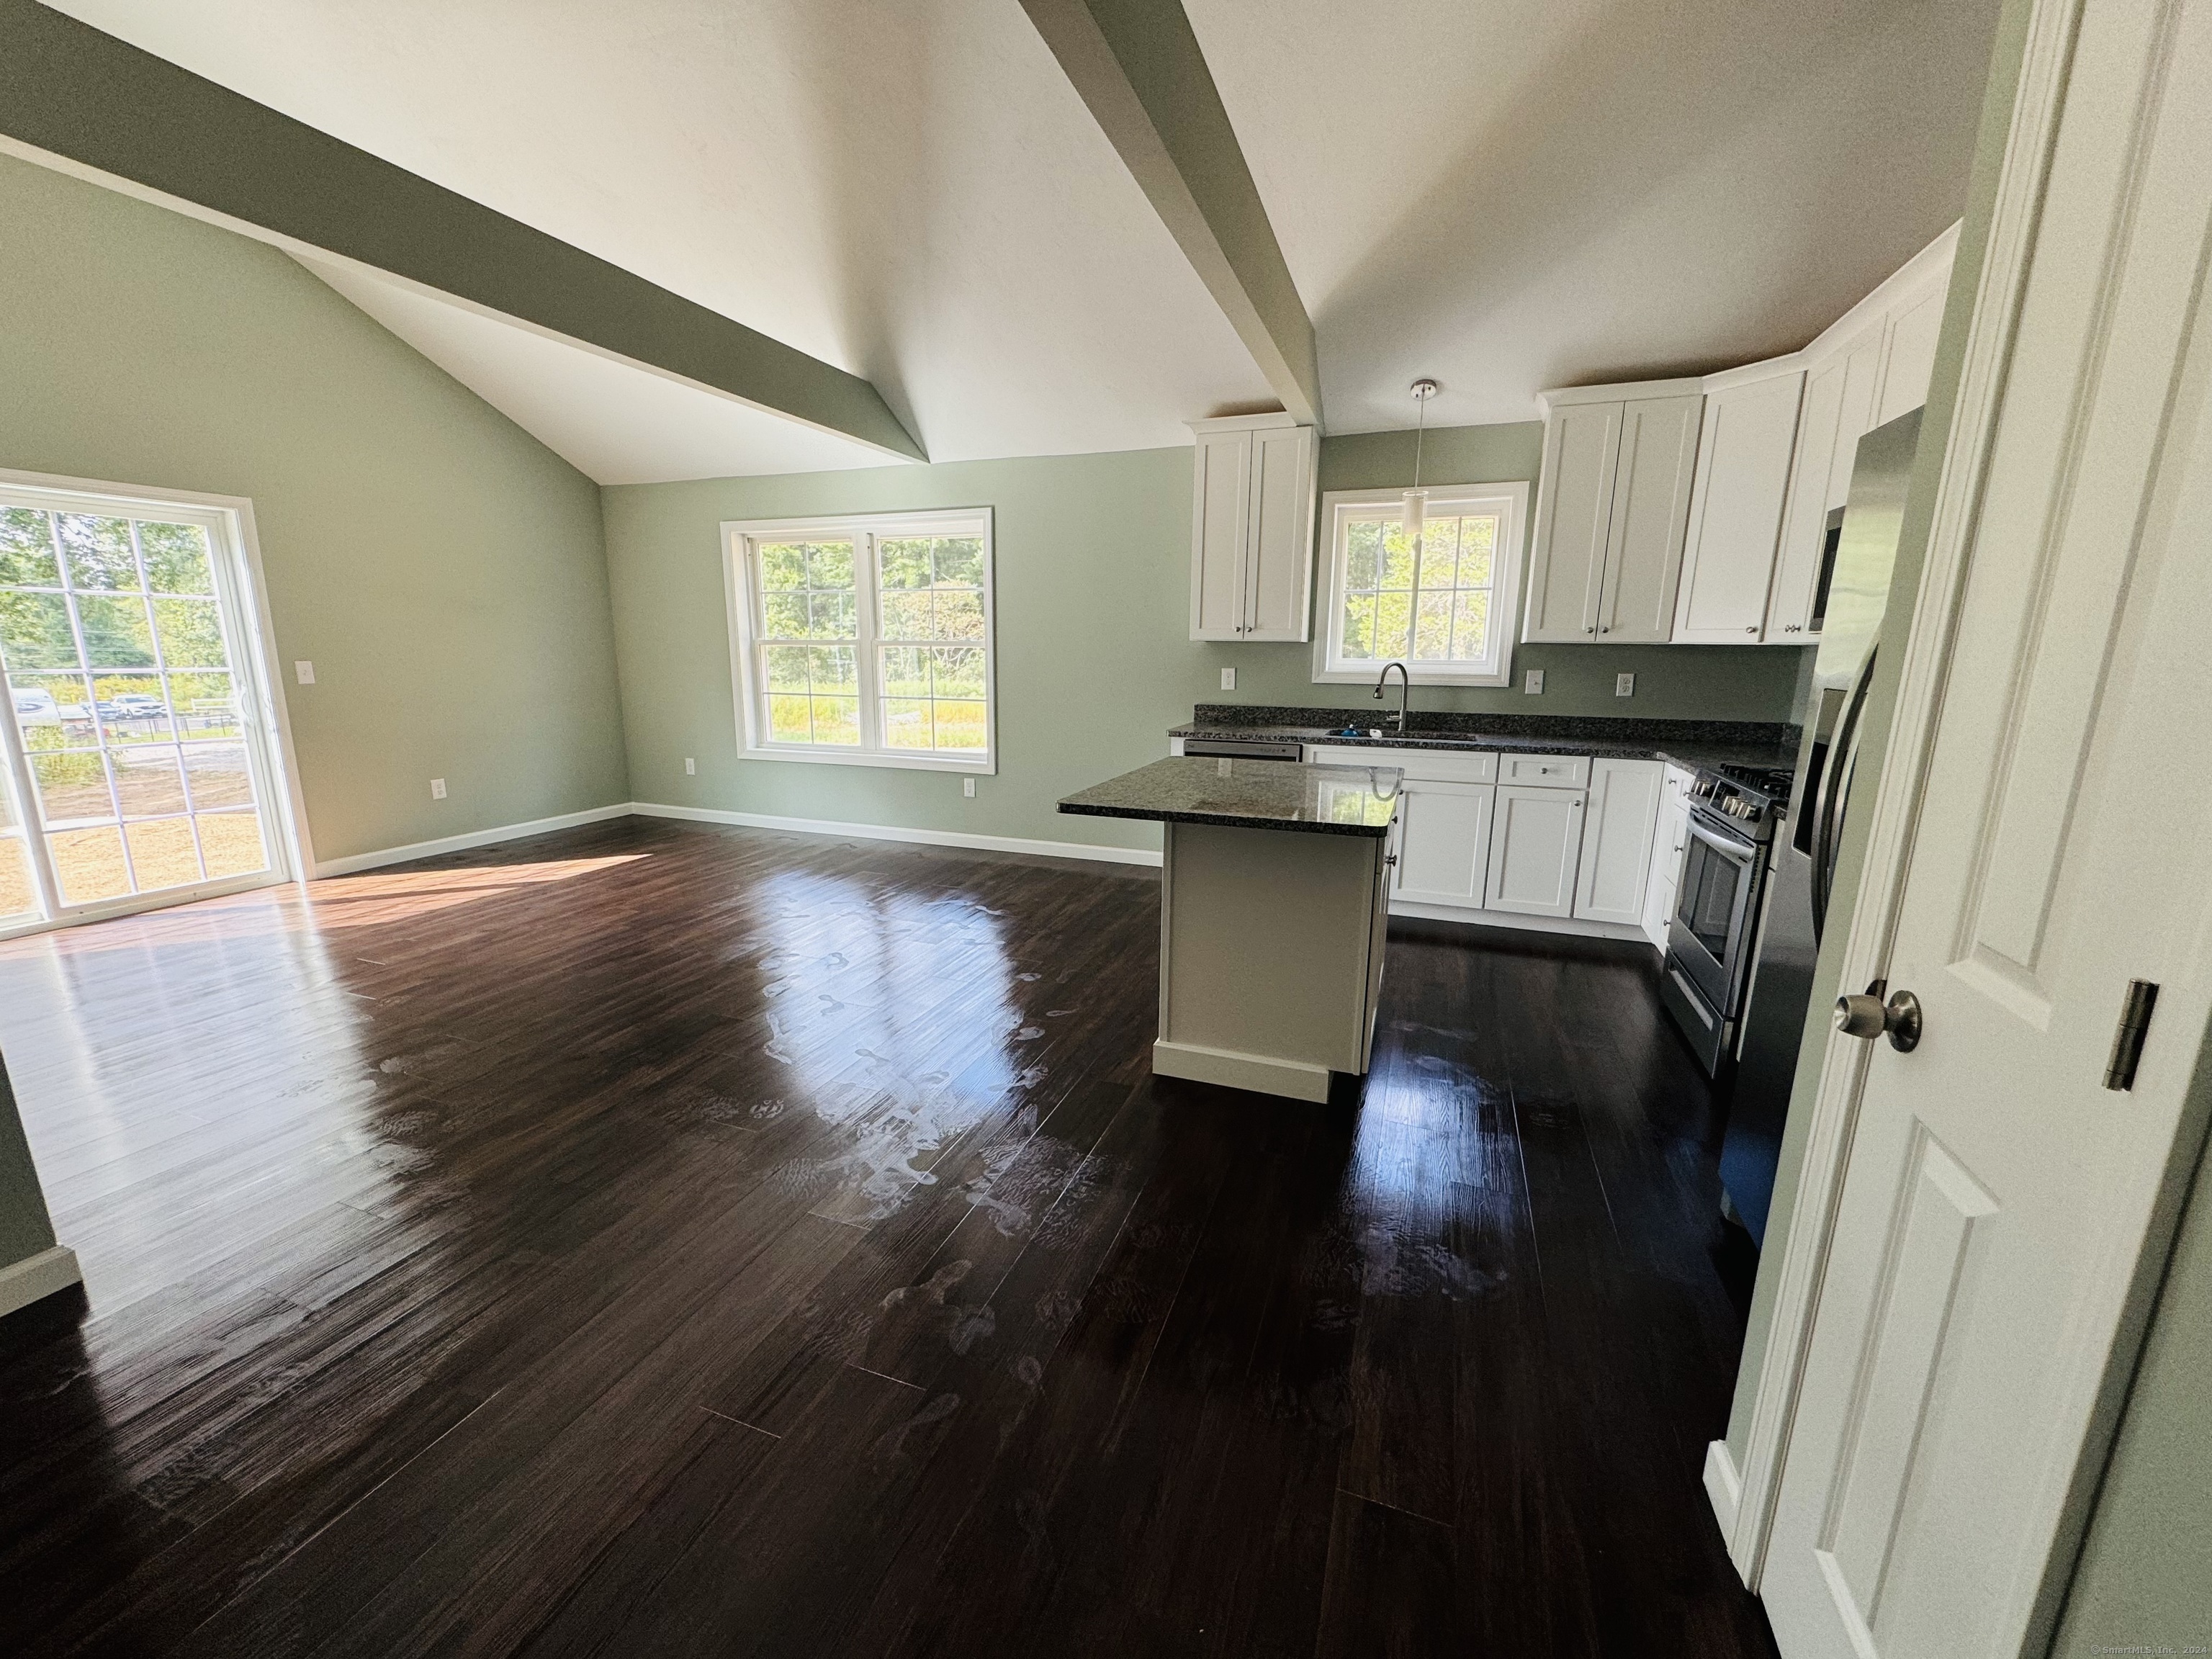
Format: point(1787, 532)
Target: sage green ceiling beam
point(1136, 65)
point(71, 93)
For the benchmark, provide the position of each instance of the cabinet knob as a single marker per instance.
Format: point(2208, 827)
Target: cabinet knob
point(1606, 629)
point(1754, 628)
point(1589, 630)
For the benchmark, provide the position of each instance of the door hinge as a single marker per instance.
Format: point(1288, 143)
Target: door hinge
point(2127, 1040)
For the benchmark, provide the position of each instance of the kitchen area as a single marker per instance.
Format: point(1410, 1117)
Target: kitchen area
point(1756, 508)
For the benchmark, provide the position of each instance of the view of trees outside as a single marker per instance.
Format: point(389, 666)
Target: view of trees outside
point(113, 646)
point(1428, 603)
point(927, 655)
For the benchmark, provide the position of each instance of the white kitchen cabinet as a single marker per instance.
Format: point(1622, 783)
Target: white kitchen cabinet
point(1908, 350)
point(1744, 452)
point(1670, 835)
point(1536, 850)
point(1574, 516)
point(1609, 514)
point(1252, 517)
point(1615, 867)
point(1443, 842)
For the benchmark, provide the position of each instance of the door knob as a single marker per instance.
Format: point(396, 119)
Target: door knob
point(1867, 1017)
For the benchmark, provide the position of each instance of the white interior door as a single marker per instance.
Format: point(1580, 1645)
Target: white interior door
point(1998, 1199)
point(137, 759)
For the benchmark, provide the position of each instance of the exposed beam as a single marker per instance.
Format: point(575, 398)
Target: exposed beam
point(71, 94)
point(1136, 65)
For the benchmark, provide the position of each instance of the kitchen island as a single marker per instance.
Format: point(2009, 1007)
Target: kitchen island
point(1274, 895)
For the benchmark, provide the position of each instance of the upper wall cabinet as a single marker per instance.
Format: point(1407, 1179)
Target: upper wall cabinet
point(1735, 507)
point(1252, 519)
point(1610, 512)
point(1697, 511)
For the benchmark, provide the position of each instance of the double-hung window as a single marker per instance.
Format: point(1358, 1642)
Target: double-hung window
point(866, 639)
point(1439, 600)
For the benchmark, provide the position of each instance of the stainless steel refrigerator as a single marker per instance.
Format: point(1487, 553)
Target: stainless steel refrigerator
point(1856, 563)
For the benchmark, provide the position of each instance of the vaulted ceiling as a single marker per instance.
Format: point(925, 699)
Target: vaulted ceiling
point(1504, 194)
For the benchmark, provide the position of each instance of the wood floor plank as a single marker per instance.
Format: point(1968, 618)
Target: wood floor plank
point(662, 1238)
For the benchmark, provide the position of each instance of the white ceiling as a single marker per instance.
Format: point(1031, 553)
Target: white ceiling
point(1505, 194)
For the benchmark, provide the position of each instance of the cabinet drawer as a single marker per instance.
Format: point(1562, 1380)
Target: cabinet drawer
point(1419, 765)
point(1546, 771)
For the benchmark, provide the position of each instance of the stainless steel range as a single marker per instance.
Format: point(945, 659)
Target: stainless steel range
point(1711, 938)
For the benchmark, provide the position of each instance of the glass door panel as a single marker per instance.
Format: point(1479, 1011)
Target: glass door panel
point(142, 769)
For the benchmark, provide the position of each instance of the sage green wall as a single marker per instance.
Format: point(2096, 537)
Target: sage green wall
point(1095, 658)
point(441, 568)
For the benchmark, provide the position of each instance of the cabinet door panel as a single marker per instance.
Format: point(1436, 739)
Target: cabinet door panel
point(1805, 519)
point(1615, 866)
point(1278, 582)
point(1574, 515)
point(1854, 419)
point(1221, 489)
point(1651, 507)
point(1909, 355)
point(1536, 845)
point(1443, 852)
point(1735, 513)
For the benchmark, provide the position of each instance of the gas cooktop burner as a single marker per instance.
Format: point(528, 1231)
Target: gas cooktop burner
point(1769, 780)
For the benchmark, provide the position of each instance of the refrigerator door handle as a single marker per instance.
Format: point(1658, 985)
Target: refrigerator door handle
point(1835, 794)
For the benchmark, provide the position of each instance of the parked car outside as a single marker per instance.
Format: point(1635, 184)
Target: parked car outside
point(35, 706)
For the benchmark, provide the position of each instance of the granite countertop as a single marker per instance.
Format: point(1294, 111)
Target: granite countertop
point(1250, 794)
point(1692, 744)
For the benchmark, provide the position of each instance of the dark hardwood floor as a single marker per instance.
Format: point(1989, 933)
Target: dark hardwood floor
point(653, 1240)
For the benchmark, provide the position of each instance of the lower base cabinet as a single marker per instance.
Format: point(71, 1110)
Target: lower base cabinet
point(1536, 850)
point(1444, 849)
point(1615, 872)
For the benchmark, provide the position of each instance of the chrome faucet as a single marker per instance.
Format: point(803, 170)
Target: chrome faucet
point(1405, 691)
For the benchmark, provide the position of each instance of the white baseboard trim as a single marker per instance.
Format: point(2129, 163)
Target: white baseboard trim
point(474, 838)
point(1723, 1487)
point(1619, 930)
point(1260, 1074)
point(1051, 849)
point(37, 1276)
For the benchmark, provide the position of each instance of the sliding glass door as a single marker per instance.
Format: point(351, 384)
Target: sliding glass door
point(138, 763)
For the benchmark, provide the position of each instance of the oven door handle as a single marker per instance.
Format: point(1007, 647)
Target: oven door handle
point(1735, 852)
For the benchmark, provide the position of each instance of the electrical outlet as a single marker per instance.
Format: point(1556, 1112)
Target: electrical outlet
point(968, 787)
point(1533, 684)
point(1624, 685)
point(306, 671)
point(437, 789)
point(1228, 679)
point(691, 766)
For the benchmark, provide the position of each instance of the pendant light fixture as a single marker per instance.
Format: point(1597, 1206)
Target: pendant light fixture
point(1417, 499)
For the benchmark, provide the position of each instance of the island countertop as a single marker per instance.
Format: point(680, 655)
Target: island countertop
point(1249, 795)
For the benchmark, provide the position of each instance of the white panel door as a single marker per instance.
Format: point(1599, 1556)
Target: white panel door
point(1278, 579)
point(1998, 1199)
point(1443, 842)
point(1615, 866)
point(1650, 506)
point(1574, 516)
point(1536, 844)
point(1735, 511)
point(1221, 496)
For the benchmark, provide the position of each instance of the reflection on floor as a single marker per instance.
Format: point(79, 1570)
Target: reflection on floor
point(660, 1240)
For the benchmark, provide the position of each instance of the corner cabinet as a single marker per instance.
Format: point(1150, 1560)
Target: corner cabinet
point(1252, 526)
point(1696, 512)
point(1610, 512)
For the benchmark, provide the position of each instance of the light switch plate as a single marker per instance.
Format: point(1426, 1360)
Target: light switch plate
point(1624, 685)
point(1228, 679)
point(306, 671)
point(691, 766)
point(437, 789)
point(1534, 684)
point(968, 787)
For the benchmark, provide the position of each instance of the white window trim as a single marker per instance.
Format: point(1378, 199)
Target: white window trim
point(740, 587)
point(236, 562)
point(1330, 668)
